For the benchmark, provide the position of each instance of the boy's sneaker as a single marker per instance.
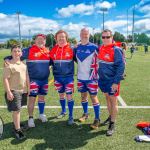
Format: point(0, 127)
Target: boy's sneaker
point(31, 123)
point(95, 124)
point(19, 134)
point(106, 122)
point(111, 129)
point(83, 118)
point(70, 121)
point(61, 115)
point(23, 127)
point(42, 117)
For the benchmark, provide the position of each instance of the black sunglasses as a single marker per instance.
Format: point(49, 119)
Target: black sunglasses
point(106, 37)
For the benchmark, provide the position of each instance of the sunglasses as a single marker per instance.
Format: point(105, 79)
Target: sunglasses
point(106, 37)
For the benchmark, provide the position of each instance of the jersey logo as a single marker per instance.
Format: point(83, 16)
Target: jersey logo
point(107, 56)
point(87, 51)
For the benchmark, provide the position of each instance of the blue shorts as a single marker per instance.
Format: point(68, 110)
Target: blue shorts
point(105, 87)
point(65, 84)
point(90, 86)
point(38, 87)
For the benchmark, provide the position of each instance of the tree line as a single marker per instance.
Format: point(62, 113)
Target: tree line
point(139, 39)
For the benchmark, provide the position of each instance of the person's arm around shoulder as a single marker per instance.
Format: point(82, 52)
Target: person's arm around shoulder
point(28, 82)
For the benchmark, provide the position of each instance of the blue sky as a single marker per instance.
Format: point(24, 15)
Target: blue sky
point(71, 15)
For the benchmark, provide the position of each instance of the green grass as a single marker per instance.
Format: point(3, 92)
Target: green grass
point(56, 135)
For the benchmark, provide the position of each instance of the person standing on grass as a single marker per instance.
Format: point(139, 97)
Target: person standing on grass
point(132, 50)
point(16, 83)
point(63, 71)
point(110, 71)
point(38, 60)
point(86, 57)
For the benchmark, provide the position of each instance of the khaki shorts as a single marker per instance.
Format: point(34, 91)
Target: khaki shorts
point(20, 99)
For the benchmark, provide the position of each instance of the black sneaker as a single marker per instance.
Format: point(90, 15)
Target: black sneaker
point(19, 134)
point(23, 127)
point(95, 124)
point(111, 129)
point(106, 122)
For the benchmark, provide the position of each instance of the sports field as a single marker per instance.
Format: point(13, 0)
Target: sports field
point(134, 106)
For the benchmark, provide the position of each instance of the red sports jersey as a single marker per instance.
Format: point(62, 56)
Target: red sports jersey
point(106, 53)
point(61, 53)
point(37, 53)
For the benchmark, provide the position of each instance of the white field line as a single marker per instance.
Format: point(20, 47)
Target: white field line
point(103, 107)
point(122, 102)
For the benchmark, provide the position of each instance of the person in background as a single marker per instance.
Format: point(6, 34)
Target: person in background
point(132, 49)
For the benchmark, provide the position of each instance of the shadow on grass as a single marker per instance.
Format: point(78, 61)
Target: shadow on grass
point(56, 134)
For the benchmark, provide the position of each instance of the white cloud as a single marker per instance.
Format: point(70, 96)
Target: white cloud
point(9, 25)
point(76, 9)
point(115, 24)
point(105, 5)
point(74, 29)
point(83, 9)
point(142, 25)
point(145, 8)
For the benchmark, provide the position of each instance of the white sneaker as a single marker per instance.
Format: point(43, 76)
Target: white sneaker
point(43, 118)
point(31, 123)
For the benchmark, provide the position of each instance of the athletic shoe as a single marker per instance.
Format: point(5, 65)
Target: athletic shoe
point(42, 117)
point(106, 122)
point(23, 127)
point(70, 121)
point(31, 123)
point(83, 118)
point(61, 115)
point(95, 124)
point(111, 129)
point(19, 134)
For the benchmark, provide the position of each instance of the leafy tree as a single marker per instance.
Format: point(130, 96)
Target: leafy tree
point(119, 37)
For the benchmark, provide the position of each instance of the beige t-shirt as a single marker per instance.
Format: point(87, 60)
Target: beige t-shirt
point(16, 74)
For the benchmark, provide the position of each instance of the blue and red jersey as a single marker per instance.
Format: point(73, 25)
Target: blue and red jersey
point(86, 57)
point(111, 64)
point(62, 61)
point(38, 61)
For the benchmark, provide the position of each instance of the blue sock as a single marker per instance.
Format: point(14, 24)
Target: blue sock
point(85, 106)
point(41, 105)
point(70, 107)
point(63, 105)
point(97, 110)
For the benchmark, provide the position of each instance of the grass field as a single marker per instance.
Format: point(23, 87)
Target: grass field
point(56, 135)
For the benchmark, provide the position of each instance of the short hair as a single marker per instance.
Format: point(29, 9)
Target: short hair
point(107, 30)
point(124, 45)
point(61, 31)
point(86, 29)
point(15, 46)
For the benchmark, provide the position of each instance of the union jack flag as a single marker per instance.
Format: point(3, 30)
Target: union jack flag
point(93, 68)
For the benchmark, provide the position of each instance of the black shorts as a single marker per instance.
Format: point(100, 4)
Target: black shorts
point(20, 99)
